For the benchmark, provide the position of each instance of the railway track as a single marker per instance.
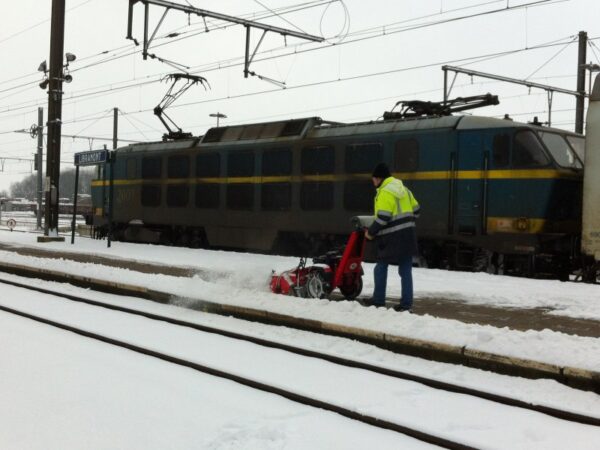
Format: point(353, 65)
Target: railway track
point(436, 384)
point(298, 398)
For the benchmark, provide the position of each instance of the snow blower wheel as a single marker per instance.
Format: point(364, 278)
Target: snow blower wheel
point(316, 286)
point(351, 291)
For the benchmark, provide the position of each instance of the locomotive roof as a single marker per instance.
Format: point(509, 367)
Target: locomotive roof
point(315, 127)
point(417, 124)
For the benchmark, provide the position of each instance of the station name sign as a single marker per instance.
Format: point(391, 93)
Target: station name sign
point(91, 158)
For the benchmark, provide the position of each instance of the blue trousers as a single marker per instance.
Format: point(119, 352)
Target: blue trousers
point(405, 271)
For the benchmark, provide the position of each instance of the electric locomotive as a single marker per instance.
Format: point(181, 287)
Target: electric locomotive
point(496, 194)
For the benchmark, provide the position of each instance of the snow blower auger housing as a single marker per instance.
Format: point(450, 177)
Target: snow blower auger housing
point(340, 268)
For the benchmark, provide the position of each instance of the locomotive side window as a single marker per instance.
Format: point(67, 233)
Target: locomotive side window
point(501, 151)
point(131, 168)
point(316, 196)
point(406, 156)
point(240, 196)
point(208, 165)
point(277, 162)
point(317, 160)
point(151, 195)
point(560, 150)
point(178, 195)
point(207, 196)
point(151, 167)
point(276, 196)
point(528, 151)
point(178, 166)
point(361, 158)
point(240, 164)
point(358, 195)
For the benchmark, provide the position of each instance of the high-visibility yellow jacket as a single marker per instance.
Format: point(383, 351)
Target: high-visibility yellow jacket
point(394, 227)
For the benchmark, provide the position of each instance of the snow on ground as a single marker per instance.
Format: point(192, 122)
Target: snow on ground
point(64, 392)
point(241, 279)
point(253, 270)
point(458, 417)
point(542, 392)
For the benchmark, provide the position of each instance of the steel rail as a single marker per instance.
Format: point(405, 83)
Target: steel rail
point(436, 384)
point(295, 397)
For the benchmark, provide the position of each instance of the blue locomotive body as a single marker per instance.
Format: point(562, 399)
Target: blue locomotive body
point(495, 194)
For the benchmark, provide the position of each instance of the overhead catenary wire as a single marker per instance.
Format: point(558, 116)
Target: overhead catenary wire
point(135, 85)
point(126, 50)
point(118, 51)
point(132, 124)
point(387, 32)
point(18, 33)
point(280, 16)
point(295, 52)
point(593, 47)
point(550, 59)
point(331, 81)
point(467, 61)
point(93, 123)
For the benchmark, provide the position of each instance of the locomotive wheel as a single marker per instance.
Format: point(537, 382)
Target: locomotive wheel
point(353, 291)
point(316, 286)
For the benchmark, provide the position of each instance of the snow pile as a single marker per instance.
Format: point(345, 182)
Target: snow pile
point(245, 289)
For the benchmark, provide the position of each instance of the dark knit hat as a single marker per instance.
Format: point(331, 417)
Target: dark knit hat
point(381, 171)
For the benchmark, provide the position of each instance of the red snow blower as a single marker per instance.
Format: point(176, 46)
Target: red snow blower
point(340, 268)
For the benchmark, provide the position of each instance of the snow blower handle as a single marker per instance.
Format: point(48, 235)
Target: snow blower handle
point(360, 222)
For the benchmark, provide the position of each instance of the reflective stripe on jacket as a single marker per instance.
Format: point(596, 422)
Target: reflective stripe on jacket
point(394, 227)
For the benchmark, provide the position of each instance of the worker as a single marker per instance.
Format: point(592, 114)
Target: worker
point(394, 235)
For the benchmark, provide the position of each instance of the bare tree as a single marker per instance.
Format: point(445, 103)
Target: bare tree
point(27, 187)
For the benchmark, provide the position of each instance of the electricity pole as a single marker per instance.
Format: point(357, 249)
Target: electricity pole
point(40, 160)
point(57, 38)
point(580, 105)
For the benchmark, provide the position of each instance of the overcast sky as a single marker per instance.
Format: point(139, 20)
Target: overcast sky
point(376, 61)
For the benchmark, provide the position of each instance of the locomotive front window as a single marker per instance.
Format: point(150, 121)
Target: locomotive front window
point(277, 162)
point(560, 150)
point(528, 151)
point(178, 166)
point(361, 158)
point(317, 160)
point(578, 145)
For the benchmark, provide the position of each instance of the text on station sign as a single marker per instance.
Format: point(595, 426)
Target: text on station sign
point(91, 158)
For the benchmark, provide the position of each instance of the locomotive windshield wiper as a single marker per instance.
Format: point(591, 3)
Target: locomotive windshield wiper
point(171, 96)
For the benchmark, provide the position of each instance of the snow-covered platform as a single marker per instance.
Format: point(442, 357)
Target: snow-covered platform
point(475, 314)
